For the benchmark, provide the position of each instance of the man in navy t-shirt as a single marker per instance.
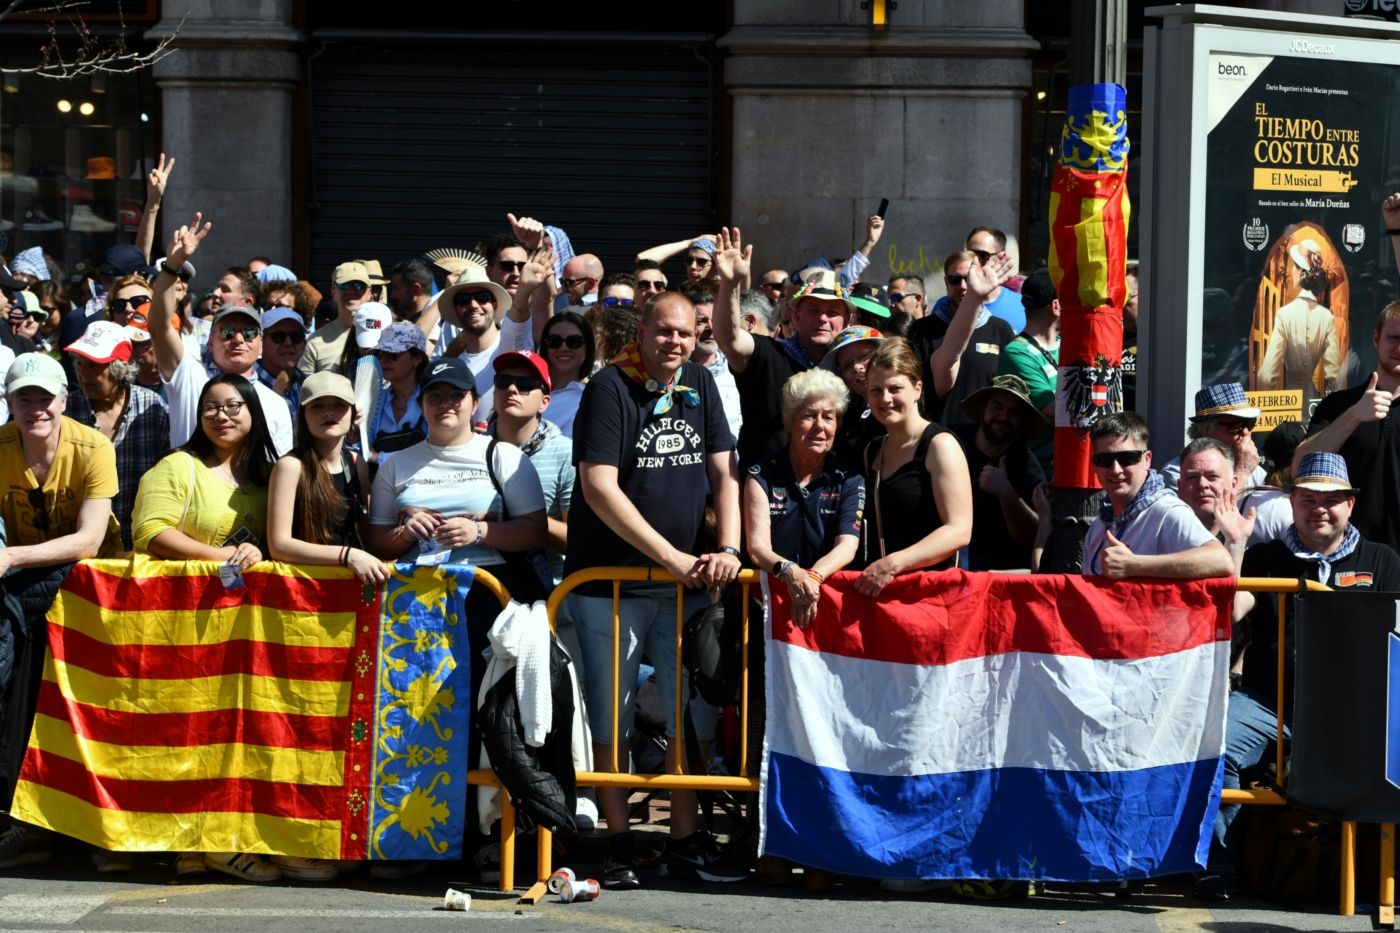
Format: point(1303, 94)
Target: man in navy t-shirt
point(650, 432)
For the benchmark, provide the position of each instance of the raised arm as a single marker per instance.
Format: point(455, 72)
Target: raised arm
point(1390, 210)
point(165, 339)
point(982, 280)
point(732, 260)
point(155, 190)
point(665, 251)
point(1373, 405)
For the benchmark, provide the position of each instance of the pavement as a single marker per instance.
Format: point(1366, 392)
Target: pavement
point(66, 894)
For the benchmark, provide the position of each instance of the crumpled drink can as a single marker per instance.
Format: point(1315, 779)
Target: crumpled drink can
point(560, 878)
point(579, 890)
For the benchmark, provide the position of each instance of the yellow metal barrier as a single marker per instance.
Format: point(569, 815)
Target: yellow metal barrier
point(743, 782)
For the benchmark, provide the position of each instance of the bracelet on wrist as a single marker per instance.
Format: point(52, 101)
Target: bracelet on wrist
point(816, 576)
point(480, 531)
point(731, 551)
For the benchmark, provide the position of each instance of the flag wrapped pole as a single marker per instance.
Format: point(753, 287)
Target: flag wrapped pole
point(1089, 213)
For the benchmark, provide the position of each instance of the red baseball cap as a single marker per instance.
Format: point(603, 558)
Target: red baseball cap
point(529, 358)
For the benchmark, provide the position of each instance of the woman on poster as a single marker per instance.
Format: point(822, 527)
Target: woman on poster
point(1304, 332)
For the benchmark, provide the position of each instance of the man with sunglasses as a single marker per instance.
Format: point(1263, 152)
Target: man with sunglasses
point(650, 280)
point(284, 338)
point(57, 482)
point(350, 289)
point(1005, 303)
point(506, 257)
point(699, 255)
point(477, 328)
point(235, 345)
point(906, 296)
point(580, 279)
point(1322, 544)
point(1224, 414)
point(1142, 529)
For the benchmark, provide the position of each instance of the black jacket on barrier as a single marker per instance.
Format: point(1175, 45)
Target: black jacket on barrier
point(25, 598)
point(540, 781)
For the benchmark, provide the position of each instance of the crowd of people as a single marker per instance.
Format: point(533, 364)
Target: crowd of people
point(518, 407)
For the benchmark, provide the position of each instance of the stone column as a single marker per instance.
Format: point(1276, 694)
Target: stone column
point(830, 116)
point(226, 116)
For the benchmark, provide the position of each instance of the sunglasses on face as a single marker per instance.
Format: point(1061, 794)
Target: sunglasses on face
point(655, 284)
point(1236, 427)
point(506, 266)
point(697, 261)
point(358, 288)
point(619, 303)
point(982, 255)
point(776, 286)
point(230, 409)
point(527, 384)
point(41, 315)
point(452, 398)
point(122, 305)
point(464, 299)
point(282, 336)
point(555, 341)
point(895, 298)
point(249, 332)
point(386, 356)
point(1124, 458)
point(570, 283)
point(955, 280)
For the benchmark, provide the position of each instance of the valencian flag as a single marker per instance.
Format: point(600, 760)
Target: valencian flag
point(1088, 259)
point(301, 714)
point(998, 726)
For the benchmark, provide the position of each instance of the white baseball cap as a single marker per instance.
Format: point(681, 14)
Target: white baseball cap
point(102, 342)
point(370, 320)
point(39, 370)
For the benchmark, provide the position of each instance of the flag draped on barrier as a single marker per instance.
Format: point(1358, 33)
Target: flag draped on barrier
point(302, 714)
point(998, 726)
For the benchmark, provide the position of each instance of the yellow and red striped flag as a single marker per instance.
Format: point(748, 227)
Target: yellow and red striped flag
point(301, 714)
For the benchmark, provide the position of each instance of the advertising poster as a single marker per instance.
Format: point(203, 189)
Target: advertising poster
point(1297, 264)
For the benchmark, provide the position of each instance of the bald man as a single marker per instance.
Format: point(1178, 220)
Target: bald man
point(580, 279)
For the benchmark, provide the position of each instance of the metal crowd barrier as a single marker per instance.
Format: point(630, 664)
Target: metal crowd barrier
point(744, 782)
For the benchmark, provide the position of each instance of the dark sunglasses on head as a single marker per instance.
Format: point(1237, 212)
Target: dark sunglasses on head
point(508, 266)
point(555, 341)
point(618, 303)
point(121, 305)
point(1124, 458)
point(282, 336)
point(955, 279)
point(504, 381)
point(352, 287)
point(250, 332)
point(464, 299)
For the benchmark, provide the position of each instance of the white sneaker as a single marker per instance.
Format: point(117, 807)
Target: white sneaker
point(585, 814)
point(294, 868)
point(83, 220)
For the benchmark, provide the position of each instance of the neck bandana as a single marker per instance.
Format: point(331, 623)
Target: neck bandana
point(944, 311)
point(793, 348)
point(543, 432)
point(630, 362)
point(1324, 561)
point(1152, 487)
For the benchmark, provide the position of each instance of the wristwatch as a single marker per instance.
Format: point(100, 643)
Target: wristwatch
point(781, 568)
point(731, 551)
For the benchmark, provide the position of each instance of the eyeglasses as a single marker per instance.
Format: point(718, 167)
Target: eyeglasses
point(555, 341)
point(701, 261)
point(386, 356)
point(955, 280)
point(1124, 458)
point(452, 398)
point(464, 299)
point(356, 287)
point(570, 283)
point(506, 266)
point(249, 332)
point(230, 409)
point(41, 510)
point(526, 384)
point(121, 305)
point(282, 336)
point(654, 284)
point(618, 303)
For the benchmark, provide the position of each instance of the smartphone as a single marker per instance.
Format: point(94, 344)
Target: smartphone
point(884, 206)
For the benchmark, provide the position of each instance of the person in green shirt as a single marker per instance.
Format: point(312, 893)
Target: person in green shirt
point(1034, 355)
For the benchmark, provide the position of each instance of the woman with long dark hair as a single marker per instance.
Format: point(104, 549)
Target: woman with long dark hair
point(318, 495)
point(568, 346)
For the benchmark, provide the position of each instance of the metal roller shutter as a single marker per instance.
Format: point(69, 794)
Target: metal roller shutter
point(430, 144)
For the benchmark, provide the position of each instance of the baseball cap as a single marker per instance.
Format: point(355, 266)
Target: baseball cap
point(137, 334)
point(352, 271)
point(1037, 291)
point(370, 320)
point(38, 370)
point(529, 358)
point(102, 342)
point(326, 384)
point(450, 371)
point(224, 311)
point(124, 259)
point(280, 315)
